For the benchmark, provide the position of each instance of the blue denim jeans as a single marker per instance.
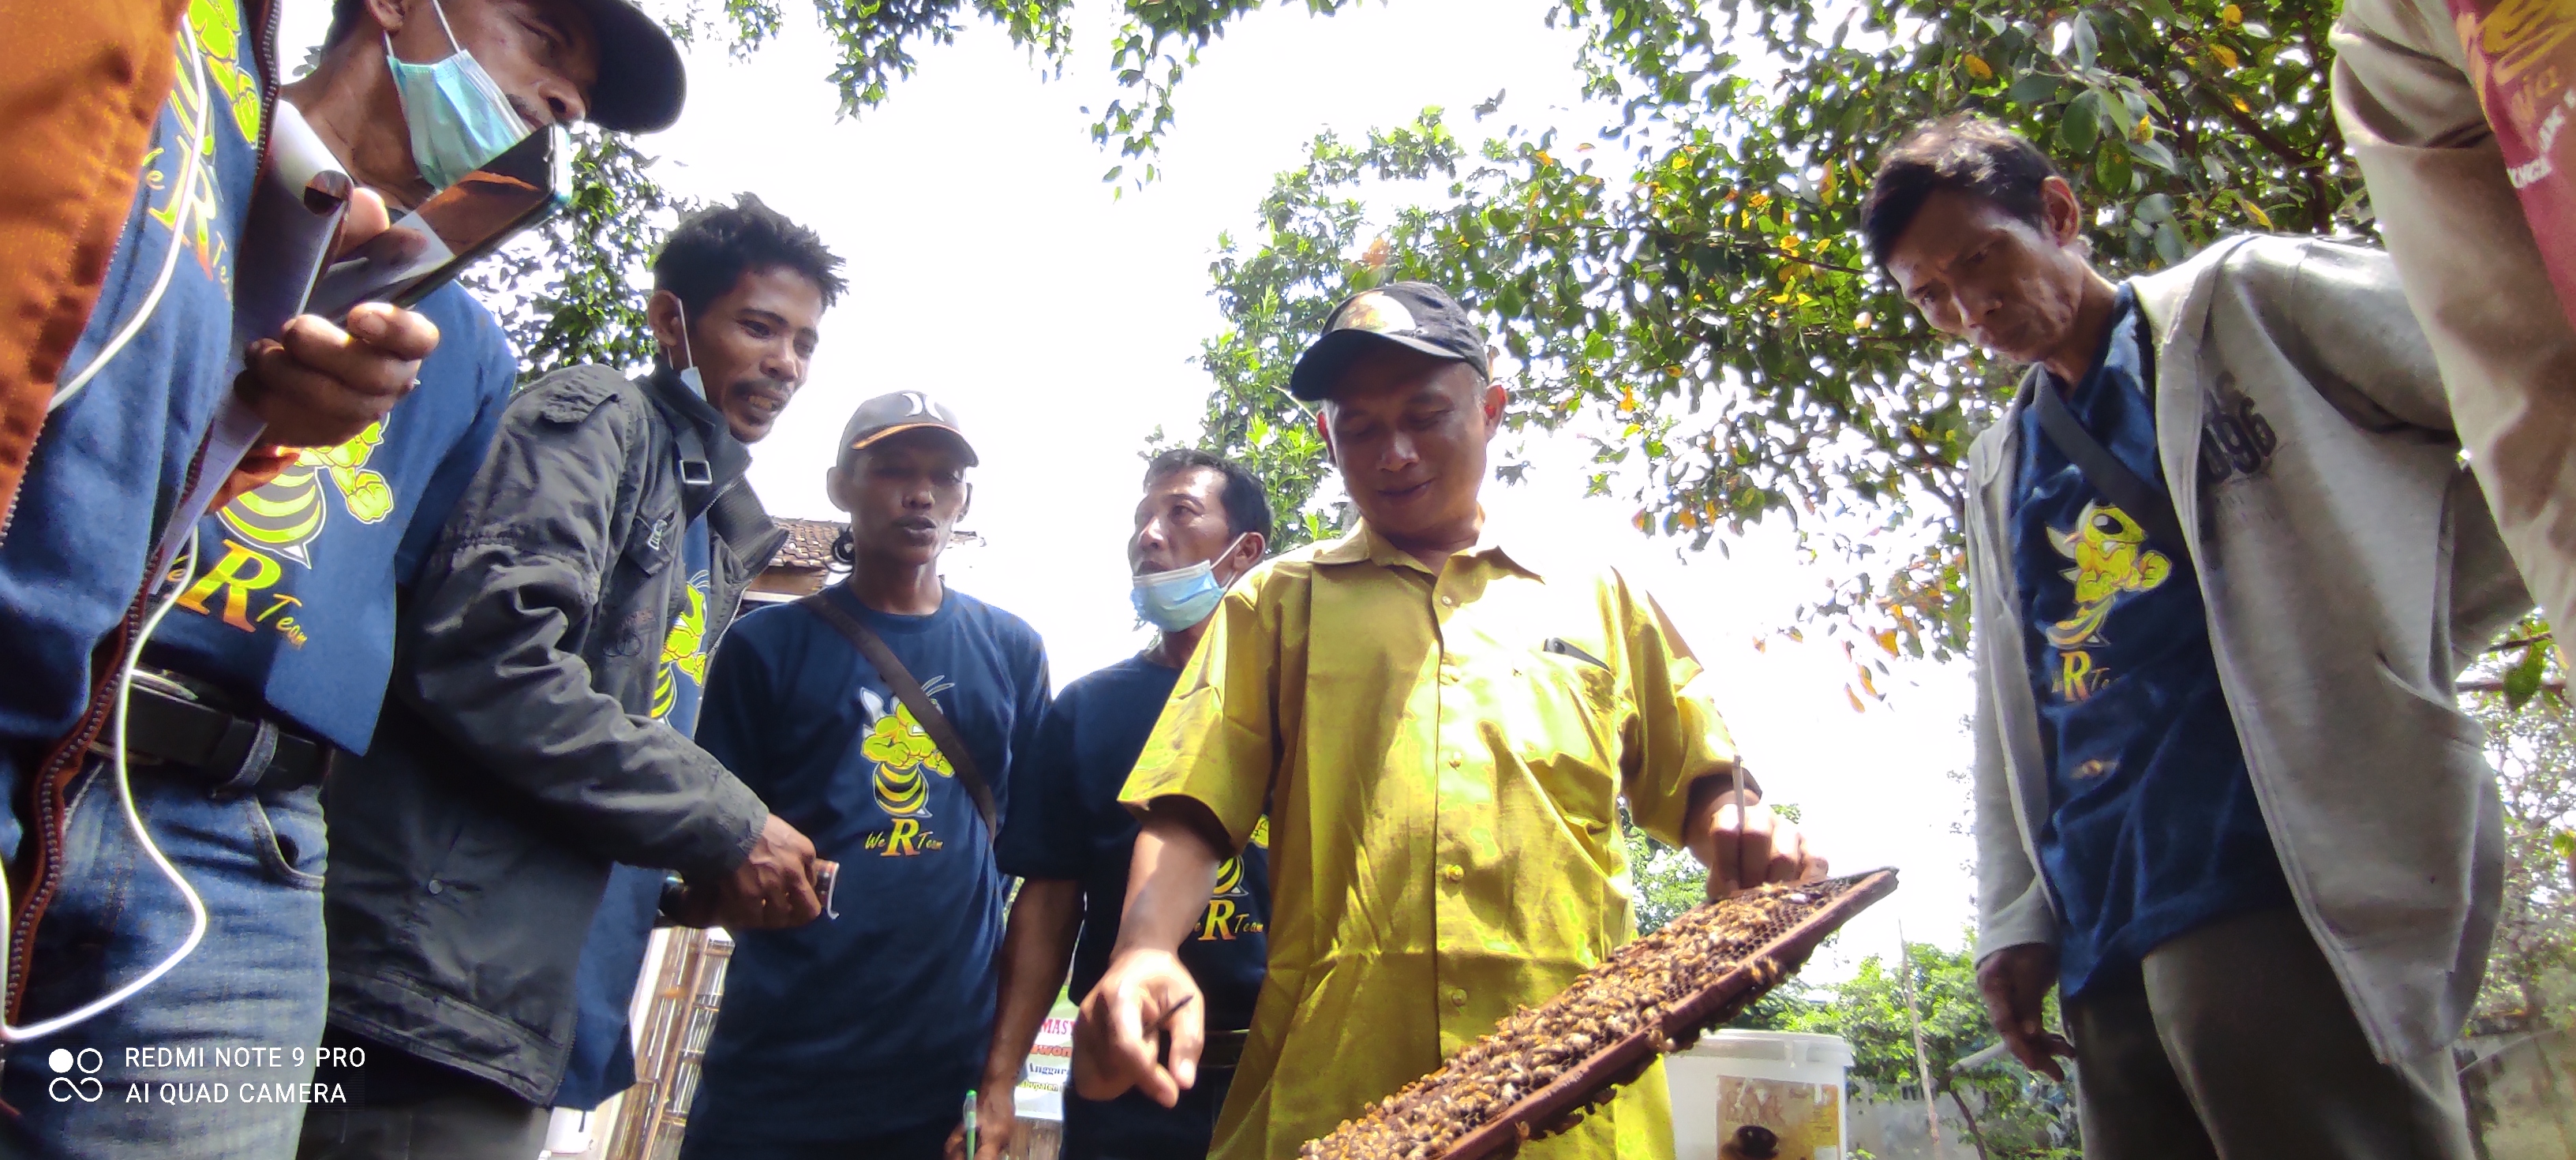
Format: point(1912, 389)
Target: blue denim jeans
point(207, 1061)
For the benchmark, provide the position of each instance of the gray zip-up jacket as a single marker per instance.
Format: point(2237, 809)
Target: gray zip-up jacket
point(2350, 570)
point(517, 757)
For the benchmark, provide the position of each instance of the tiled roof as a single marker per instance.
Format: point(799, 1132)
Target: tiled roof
point(808, 546)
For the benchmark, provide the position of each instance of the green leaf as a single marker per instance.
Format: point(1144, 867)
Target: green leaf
point(2112, 164)
point(2032, 88)
point(2082, 124)
point(2522, 681)
point(2169, 244)
point(2154, 153)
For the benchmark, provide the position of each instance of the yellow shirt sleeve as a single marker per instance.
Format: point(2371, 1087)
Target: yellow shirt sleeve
point(1218, 738)
point(1676, 736)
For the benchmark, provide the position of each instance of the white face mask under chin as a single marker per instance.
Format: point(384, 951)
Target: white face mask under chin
point(689, 374)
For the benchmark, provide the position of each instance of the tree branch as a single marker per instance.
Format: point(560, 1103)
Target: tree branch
point(2494, 685)
point(2313, 167)
point(1974, 1136)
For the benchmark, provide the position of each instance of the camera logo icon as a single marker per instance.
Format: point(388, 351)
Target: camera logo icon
point(67, 1087)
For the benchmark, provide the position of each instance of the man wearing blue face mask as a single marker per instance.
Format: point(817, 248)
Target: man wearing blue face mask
point(1203, 522)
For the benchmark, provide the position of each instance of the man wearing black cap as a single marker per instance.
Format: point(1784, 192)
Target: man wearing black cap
point(885, 717)
point(278, 647)
point(544, 691)
point(1441, 722)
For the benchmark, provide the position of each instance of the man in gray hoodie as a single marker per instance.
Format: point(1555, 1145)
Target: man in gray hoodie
point(2224, 565)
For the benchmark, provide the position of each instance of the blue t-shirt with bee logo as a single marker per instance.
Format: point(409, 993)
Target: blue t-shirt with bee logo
point(292, 603)
point(2153, 828)
point(1071, 827)
point(876, 1021)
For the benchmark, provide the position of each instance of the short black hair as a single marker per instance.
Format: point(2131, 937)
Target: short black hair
point(1963, 152)
point(713, 248)
point(344, 20)
point(1247, 503)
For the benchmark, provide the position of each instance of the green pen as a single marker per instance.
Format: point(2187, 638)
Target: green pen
point(970, 1124)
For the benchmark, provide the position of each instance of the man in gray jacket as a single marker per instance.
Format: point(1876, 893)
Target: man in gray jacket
point(549, 664)
point(2224, 564)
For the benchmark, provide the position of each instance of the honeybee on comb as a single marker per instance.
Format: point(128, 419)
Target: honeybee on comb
point(1538, 1070)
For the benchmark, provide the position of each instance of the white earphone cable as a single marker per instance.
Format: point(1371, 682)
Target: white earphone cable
point(197, 919)
point(179, 209)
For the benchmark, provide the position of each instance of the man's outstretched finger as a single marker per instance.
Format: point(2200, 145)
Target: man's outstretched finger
point(1189, 1039)
point(392, 331)
point(357, 368)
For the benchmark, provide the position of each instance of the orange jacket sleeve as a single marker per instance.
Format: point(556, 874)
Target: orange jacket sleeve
point(80, 85)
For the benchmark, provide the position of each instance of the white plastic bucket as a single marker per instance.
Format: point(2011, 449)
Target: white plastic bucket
point(1784, 1083)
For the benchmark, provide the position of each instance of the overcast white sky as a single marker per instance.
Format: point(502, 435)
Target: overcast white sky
point(990, 267)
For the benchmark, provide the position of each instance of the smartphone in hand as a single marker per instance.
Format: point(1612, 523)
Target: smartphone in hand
point(428, 247)
point(827, 874)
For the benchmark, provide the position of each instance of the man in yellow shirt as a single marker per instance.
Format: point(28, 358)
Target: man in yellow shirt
point(1441, 722)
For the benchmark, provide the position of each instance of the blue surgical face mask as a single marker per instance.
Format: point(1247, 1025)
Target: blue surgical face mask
point(458, 115)
point(1178, 599)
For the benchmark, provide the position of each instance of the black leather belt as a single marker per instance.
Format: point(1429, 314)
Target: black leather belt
point(1223, 1051)
point(236, 755)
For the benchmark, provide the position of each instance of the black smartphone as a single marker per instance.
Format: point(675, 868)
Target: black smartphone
point(292, 223)
point(428, 247)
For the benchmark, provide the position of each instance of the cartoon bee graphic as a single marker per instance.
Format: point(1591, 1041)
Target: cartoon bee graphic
point(684, 650)
point(2111, 556)
point(288, 512)
point(902, 793)
point(901, 750)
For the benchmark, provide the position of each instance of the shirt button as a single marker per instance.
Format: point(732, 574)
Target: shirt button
point(1456, 761)
point(1455, 874)
point(1450, 601)
point(436, 886)
point(1457, 997)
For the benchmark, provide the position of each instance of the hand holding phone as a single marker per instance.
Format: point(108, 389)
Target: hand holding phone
point(318, 384)
point(703, 906)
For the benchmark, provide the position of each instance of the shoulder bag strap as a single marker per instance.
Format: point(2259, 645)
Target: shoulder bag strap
point(2153, 510)
point(925, 711)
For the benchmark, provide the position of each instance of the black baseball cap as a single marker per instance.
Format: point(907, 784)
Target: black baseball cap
point(641, 83)
point(1415, 315)
point(902, 411)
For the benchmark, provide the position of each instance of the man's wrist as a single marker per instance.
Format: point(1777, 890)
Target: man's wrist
point(1716, 789)
point(1123, 951)
point(1724, 781)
